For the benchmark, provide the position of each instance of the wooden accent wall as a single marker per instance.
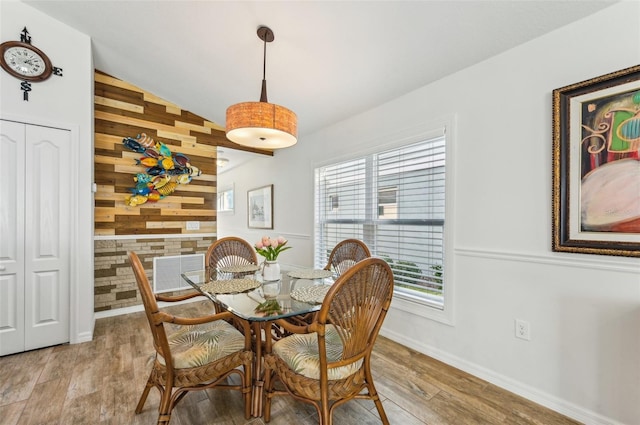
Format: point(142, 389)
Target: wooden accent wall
point(123, 110)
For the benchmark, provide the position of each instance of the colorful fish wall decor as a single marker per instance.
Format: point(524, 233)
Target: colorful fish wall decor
point(164, 170)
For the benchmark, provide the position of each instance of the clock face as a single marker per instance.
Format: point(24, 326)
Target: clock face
point(24, 61)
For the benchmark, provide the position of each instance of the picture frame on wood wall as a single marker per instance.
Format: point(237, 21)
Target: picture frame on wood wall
point(596, 165)
point(260, 207)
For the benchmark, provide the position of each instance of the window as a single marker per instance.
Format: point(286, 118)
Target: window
point(393, 200)
point(388, 202)
point(225, 200)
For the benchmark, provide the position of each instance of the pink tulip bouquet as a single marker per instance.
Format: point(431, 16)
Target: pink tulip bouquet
point(271, 248)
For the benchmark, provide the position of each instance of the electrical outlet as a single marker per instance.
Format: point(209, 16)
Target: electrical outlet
point(523, 329)
point(193, 225)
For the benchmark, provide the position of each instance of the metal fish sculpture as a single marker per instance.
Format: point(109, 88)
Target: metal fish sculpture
point(154, 196)
point(160, 181)
point(163, 149)
point(165, 170)
point(145, 140)
point(166, 163)
point(133, 144)
point(141, 189)
point(178, 171)
point(167, 189)
point(180, 159)
point(147, 162)
point(155, 171)
point(151, 153)
point(134, 201)
point(142, 178)
point(183, 179)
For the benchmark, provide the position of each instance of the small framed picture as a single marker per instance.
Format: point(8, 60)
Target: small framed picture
point(260, 207)
point(596, 165)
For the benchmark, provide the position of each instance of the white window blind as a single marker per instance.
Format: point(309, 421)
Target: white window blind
point(394, 201)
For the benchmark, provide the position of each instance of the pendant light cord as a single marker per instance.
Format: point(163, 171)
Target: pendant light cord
point(263, 93)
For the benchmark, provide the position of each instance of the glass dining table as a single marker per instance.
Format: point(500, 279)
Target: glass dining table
point(296, 295)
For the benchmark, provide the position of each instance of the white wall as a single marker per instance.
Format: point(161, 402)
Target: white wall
point(65, 102)
point(584, 355)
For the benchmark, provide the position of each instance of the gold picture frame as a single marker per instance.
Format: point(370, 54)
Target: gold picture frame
point(596, 165)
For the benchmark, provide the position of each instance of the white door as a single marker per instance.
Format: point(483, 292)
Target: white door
point(12, 147)
point(34, 244)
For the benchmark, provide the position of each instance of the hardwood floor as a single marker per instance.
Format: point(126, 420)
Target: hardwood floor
point(99, 382)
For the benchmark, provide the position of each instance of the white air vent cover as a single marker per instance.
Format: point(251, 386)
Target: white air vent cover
point(167, 270)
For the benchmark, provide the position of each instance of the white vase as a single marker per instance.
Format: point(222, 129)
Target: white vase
point(271, 271)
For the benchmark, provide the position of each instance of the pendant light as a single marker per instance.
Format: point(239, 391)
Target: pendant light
point(262, 124)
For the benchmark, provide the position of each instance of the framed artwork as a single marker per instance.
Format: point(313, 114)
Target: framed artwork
point(260, 207)
point(596, 165)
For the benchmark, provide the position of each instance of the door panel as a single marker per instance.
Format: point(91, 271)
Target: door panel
point(12, 189)
point(11, 314)
point(44, 159)
point(46, 293)
point(47, 230)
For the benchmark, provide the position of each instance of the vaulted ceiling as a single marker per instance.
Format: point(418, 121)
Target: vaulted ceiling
point(330, 59)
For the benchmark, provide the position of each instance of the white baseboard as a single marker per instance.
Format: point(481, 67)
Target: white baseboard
point(564, 407)
point(82, 337)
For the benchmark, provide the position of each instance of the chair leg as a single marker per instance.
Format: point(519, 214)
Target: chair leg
point(164, 419)
point(268, 387)
point(325, 412)
point(375, 397)
point(247, 389)
point(144, 395)
point(164, 410)
point(381, 412)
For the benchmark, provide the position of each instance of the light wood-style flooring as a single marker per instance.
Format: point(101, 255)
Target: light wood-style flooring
point(99, 382)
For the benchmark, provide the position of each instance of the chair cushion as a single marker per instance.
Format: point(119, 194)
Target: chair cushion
point(300, 353)
point(198, 345)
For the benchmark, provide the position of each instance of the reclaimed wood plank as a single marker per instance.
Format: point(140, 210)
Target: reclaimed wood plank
point(99, 100)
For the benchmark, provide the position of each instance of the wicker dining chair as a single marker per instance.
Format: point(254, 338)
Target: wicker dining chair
point(342, 257)
point(200, 353)
point(345, 254)
point(230, 251)
point(328, 362)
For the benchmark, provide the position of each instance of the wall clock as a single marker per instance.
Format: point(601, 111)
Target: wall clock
point(26, 62)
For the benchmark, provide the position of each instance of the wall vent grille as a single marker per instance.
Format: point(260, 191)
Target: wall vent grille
point(167, 270)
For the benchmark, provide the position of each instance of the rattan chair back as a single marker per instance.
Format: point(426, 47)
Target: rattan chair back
point(356, 306)
point(346, 254)
point(230, 251)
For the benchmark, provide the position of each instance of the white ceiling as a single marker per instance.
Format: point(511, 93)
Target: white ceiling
point(330, 59)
